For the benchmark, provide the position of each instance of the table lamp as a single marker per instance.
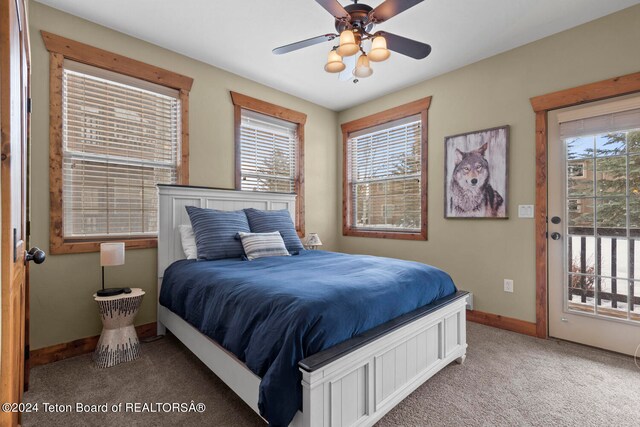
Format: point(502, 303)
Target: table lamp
point(313, 241)
point(111, 253)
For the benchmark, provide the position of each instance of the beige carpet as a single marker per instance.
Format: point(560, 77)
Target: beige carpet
point(507, 380)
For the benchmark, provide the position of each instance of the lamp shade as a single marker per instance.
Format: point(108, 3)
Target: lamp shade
point(363, 69)
point(313, 240)
point(348, 45)
point(379, 51)
point(334, 63)
point(111, 253)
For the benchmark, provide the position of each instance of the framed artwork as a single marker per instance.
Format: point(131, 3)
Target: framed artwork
point(476, 174)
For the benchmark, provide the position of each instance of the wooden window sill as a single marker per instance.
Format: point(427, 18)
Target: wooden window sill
point(397, 235)
point(85, 246)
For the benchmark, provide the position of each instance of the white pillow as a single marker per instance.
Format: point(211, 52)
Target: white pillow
point(188, 241)
point(261, 245)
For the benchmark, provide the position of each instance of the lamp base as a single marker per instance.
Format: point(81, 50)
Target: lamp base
point(109, 292)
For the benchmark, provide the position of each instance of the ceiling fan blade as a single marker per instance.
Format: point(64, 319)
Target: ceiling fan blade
point(350, 64)
point(391, 8)
point(334, 8)
point(304, 43)
point(405, 46)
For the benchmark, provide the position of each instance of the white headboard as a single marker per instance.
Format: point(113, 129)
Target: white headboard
point(172, 212)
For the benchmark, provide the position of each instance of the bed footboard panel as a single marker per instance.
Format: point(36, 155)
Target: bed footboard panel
point(359, 388)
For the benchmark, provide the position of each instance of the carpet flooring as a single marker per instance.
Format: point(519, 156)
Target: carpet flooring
point(508, 380)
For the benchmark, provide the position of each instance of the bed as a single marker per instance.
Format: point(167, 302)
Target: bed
point(349, 376)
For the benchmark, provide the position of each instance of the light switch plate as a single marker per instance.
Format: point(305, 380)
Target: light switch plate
point(525, 211)
point(508, 285)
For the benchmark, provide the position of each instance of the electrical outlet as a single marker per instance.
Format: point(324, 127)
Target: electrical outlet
point(508, 285)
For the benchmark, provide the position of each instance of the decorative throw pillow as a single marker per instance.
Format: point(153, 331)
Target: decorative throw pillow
point(216, 232)
point(270, 221)
point(261, 245)
point(188, 240)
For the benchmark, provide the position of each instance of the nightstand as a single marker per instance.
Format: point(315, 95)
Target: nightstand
point(118, 340)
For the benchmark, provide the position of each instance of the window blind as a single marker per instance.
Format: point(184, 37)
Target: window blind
point(121, 137)
point(267, 153)
point(614, 122)
point(385, 170)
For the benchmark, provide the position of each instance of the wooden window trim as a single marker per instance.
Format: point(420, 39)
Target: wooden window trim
point(61, 48)
point(617, 86)
point(245, 102)
point(421, 107)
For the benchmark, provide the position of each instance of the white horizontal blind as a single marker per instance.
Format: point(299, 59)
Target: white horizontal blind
point(267, 153)
point(385, 166)
point(119, 141)
point(615, 122)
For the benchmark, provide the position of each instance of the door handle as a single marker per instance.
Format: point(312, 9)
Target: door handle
point(36, 255)
point(555, 235)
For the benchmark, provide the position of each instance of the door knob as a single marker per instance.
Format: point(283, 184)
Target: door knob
point(36, 255)
point(555, 235)
point(556, 220)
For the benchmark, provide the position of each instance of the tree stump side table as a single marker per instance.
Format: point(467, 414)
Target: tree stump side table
point(118, 341)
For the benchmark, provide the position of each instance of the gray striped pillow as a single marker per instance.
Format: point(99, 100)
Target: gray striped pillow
point(261, 245)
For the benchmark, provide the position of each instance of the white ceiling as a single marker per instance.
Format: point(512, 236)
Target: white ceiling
point(238, 36)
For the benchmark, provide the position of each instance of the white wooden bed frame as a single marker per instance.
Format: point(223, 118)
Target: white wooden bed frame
point(356, 387)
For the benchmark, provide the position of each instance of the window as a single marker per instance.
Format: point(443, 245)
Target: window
point(385, 171)
point(576, 170)
point(267, 153)
point(575, 206)
point(114, 137)
point(603, 209)
point(118, 141)
point(270, 150)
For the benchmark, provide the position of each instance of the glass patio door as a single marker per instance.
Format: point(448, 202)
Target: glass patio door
point(594, 224)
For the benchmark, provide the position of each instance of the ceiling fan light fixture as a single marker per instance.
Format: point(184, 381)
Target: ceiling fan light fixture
point(354, 25)
point(334, 63)
point(348, 45)
point(363, 69)
point(379, 51)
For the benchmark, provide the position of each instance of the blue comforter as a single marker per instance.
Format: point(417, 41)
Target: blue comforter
point(273, 312)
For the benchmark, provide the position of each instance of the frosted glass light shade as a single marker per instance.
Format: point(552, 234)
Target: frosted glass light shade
point(363, 69)
point(348, 46)
point(334, 63)
point(379, 51)
point(111, 253)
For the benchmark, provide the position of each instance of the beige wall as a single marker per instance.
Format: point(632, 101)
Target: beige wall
point(479, 254)
point(62, 308)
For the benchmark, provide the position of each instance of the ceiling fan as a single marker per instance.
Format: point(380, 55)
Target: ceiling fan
point(354, 24)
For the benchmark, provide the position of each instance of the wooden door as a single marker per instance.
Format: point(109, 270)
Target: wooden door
point(14, 89)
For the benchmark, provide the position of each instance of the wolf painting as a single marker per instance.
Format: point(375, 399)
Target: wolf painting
point(476, 168)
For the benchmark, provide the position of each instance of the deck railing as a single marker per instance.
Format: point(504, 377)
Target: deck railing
point(586, 284)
